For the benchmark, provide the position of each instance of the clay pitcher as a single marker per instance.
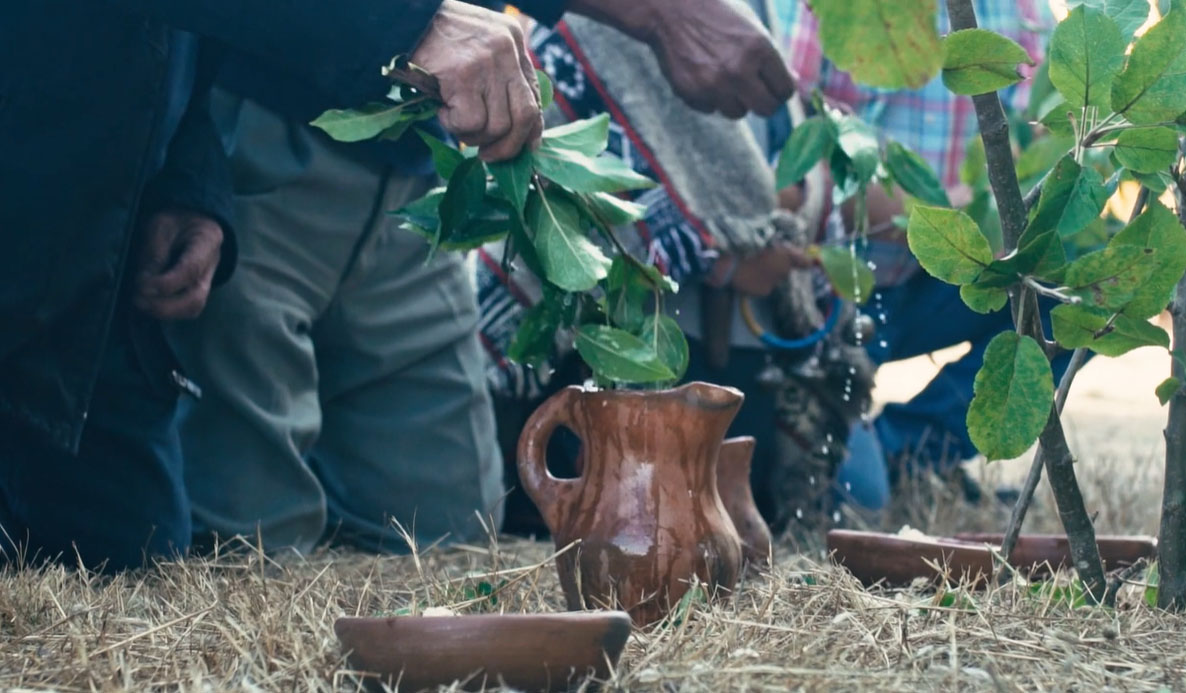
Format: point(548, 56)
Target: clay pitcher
point(733, 471)
point(645, 509)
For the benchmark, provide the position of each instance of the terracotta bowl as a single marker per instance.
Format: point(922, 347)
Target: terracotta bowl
point(875, 557)
point(544, 652)
point(1038, 553)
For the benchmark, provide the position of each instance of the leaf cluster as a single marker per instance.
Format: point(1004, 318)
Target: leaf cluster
point(554, 209)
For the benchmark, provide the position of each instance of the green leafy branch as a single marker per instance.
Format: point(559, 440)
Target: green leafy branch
point(544, 205)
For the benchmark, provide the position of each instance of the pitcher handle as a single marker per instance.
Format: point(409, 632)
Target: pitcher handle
point(551, 495)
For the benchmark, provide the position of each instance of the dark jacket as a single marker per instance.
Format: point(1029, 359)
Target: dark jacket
point(84, 89)
point(285, 92)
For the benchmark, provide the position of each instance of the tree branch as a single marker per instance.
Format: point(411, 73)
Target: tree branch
point(1002, 175)
point(1171, 544)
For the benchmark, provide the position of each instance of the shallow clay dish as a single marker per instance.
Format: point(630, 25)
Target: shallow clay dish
point(875, 557)
point(1041, 552)
point(544, 652)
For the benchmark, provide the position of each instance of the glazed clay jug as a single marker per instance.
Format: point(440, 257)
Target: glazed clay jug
point(645, 509)
point(733, 472)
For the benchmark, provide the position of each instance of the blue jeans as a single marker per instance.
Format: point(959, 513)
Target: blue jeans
point(922, 316)
point(121, 500)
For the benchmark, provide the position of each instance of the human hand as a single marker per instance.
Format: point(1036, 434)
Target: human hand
point(717, 58)
point(178, 255)
point(487, 82)
point(759, 274)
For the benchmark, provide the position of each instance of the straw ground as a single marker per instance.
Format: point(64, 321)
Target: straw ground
point(241, 621)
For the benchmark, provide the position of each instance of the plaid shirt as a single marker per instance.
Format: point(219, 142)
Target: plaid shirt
point(930, 121)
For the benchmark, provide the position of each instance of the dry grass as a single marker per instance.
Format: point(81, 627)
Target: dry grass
point(241, 621)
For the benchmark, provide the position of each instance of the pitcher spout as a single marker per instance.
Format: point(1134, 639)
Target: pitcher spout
point(724, 401)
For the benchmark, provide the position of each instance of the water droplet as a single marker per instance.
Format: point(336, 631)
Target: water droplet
point(871, 265)
point(799, 513)
point(811, 480)
point(882, 318)
point(836, 516)
point(883, 344)
point(847, 397)
point(823, 450)
point(852, 370)
point(848, 486)
point(829, 437)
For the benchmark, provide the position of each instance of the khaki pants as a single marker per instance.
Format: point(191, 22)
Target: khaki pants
point(342, 376)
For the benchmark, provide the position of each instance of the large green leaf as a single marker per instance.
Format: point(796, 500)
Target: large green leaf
point(983, 299)
point(464, 197)
point(1041, 255)
point(1147, 150)
point(1157, 229)
point(809, 142)
point(948, 244)
point(849, 275)
point(882, 43)
point(514, 179)
point(1072, 197)
point(618, 356)
point(915, 175)
point(1014, 392)
point(1129, 15)
point(627, 291)
point(424, 212)
point(667, 339)
point(858, 141)
point(1086, 54)
point(613, 210)
point(978, 61)
point(1110, 278)
point(580, 173)
point(570, 260)
point(367, 122)
point(589, 137)
point(1152, 87)
point(1083, 326)
point(445, 159)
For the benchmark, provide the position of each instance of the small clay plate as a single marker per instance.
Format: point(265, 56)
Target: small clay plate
point(1041, 552)
point(544, 652)
point(874, 557)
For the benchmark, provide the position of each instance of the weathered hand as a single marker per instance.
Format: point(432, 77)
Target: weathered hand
point(758, 275)
point(488, 84)
point(716, 56)
point(178, 255)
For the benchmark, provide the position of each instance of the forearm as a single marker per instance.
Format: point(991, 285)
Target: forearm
point(636, 18)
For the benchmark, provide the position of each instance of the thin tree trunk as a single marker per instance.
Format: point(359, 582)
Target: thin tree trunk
point(1026, 498)
point(1171, 544)
point(1060, 466)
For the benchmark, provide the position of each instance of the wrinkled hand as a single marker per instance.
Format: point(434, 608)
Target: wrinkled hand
point(178, 255)
point(758, 275)
point(716, 57)
point(488, 84)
